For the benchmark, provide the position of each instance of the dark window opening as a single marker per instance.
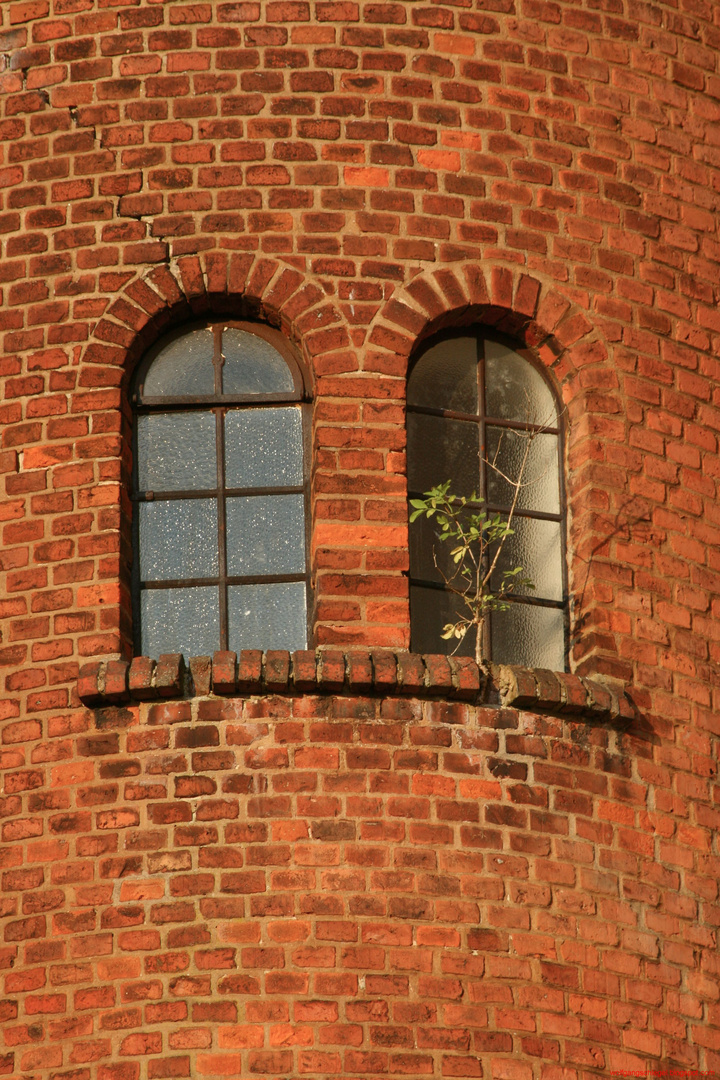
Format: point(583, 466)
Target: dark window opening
point(472, 401)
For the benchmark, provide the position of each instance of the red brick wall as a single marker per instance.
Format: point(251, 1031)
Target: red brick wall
point(356, 884)
point(362, 174)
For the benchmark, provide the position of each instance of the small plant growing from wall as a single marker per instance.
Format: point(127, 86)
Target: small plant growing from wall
point(478, 538)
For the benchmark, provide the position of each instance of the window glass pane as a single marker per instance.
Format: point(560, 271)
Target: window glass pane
point(184, 367)
point(430, 610)
point(439, 450)
point(253, 366)
point(535, 546)
point(445, 377)
point(271, 616)
point(178, 539)
point(266, 535)
point(264, 447)
point(529, 635)
point(514, 390)
point(183, 621)
point(506, 449)
point(176, 451)
point(430, 557)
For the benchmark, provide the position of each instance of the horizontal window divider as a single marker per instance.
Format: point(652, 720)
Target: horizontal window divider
point(216, 401)
point(423, 583)
point(493, 508)
point(537, 515)
point(212, 493)
point(521, 425)
point(477, 418)
point(251, 579)
point(512, 598)
point(534, 601)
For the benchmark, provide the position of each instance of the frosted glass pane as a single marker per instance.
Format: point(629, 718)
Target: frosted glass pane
point(535, 546)
point(430, 610)
point(269, 616)
point(429, 556)
point(266, 535)
point(440, 450)
point(514, 389)
point(506, 449)
point(531, 636)
point(183, 621)
point(263, 448)
point(176, 451)
point(445, 377)
point(184, 367)
point(178, 539)
point(253, 366)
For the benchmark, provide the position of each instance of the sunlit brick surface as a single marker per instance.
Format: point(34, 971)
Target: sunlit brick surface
point(361, 175)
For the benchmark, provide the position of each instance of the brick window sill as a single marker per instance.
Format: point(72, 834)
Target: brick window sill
point(373, 673)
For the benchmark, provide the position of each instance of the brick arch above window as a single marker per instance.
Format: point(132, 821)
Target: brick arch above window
point(203, 288)
point(218, 283)
point(570, 344)
point(513, 302)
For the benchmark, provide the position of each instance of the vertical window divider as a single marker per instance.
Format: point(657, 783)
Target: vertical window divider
point(482, 464)
point(481, 416)
point(218, 361)
point(222, 523)
point(307, 438)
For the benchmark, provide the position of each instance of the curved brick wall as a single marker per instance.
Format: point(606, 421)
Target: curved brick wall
point(539, 898)
point(361, 882)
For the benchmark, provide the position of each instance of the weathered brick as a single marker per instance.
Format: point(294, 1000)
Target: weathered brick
point(360, 861)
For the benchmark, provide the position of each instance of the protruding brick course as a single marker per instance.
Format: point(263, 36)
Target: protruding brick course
point(377, 674)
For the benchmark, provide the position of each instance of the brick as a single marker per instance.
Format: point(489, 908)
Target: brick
point(277, 670)
point(384, 671)
point(141, 680)
point(466, 677)
point(89, 688)
point(359, 672)
point(304, 671)
point(169, 675)
point(249, 674)
point(201, 674)
point(116, 689)
point(331, 675)
point(224, 666)
point(411, 672)
point(406, 838)
point(439, 674)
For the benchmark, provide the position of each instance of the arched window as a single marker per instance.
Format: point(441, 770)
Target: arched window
point(473, 403)
point(219, 492)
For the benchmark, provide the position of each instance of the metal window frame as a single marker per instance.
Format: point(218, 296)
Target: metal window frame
point(219, 404)
point(485, 420)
